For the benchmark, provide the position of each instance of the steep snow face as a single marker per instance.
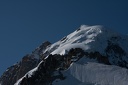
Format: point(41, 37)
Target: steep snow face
point(89, 38)
point(100, 74)
point(90, 73)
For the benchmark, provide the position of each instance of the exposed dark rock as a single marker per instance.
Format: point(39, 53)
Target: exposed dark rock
point(100, 58)
point(27, 63)
point(44, 46)
point(44, 74)
point(18, 70)
point(57, 63)
point(54, 63)
point(116, 54)
point(78, 29)
point(64, 38)
point(50, 67)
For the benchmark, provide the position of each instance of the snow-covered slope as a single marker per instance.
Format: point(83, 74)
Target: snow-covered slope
point(89, 38)
point(95, 39)
point(91, 55)
point(91, 73)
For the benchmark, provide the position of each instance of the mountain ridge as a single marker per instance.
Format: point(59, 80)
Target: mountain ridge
point(94, 44)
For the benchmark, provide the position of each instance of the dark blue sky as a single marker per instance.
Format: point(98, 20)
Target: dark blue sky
point(25, 24)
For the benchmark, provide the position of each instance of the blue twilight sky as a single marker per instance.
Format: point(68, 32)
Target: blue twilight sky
point(25, 24)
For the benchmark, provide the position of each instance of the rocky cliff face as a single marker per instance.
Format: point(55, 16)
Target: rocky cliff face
point(28, 62)
point(45, 73)
point(50, 62)
point(52, 68)
point(16, 71)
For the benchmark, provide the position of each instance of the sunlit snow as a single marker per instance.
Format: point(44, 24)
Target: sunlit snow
point(88, 71)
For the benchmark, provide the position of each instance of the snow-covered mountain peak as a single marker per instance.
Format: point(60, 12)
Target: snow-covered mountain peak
point(89, 38)
point(94, 27)
point(91, 55)
point(94, 30)
point(85, 30)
